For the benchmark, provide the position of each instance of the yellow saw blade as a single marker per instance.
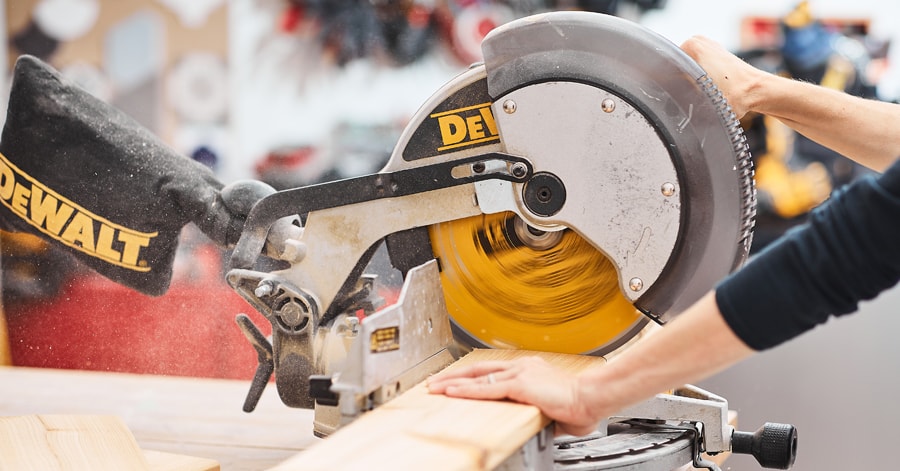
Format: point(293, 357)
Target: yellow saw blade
point(553, 292)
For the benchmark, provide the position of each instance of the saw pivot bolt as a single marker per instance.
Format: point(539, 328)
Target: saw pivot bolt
point(668, 189)
point(293, 314)
point(608, 105)
point(509, 106)
point(544, 194)
point(636, 284)
point(478, 167)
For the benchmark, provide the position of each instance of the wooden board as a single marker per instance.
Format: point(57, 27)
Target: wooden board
point(196, 417)
point(418, 430)
point(67, 442)
point(63, 442)
point(82, 442)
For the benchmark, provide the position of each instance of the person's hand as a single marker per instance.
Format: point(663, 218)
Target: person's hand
point(735, 78)
point(529, 380)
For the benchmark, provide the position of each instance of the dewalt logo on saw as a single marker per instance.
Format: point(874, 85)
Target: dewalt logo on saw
point(69, 223)
point(466, 126)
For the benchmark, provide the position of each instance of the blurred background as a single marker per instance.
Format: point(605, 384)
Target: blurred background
point(295, 92)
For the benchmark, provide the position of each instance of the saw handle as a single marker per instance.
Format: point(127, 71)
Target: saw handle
point(773, 445)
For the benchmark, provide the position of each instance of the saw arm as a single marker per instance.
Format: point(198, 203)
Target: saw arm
point(641, 160)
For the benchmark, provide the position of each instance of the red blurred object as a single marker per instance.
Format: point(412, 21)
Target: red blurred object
point(418, 16)
point(96, 324)
point(93, 323)
point(290, 19)
point(288, 158)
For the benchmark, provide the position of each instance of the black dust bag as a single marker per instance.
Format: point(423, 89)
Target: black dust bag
point(82, 174)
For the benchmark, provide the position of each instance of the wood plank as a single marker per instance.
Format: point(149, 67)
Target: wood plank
point(198, 417)
point(83, 442)
point(418, 430)
point(68, 442)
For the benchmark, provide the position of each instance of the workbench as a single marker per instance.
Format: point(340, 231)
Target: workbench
point(203, 418)
point(187, 416)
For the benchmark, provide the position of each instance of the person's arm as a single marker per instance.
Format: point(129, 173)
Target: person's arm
point(861, 129)
point(695, 345)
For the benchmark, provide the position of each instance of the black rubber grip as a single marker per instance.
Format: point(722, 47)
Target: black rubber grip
point(773, 445)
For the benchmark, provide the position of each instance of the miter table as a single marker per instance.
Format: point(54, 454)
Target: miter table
point(188, 416)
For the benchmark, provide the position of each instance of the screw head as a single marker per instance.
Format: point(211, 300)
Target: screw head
point(263, 289)
point(608, 105)
point(636, 284)
point(668, 189)
point(519, 170)
point(292, 314)
point(351, 323)
point(509, 106)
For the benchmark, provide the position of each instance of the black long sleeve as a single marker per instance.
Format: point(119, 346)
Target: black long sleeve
point(849, 251)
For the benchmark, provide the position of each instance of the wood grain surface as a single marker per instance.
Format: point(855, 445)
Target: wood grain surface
point(418, 430)
point(195, 417)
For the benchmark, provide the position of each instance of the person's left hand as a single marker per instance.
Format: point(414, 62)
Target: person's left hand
point(529, 380)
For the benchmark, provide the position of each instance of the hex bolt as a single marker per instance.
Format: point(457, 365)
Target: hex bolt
point(668, 189)
point(636, 284)
point(293, 314)
point(519, 170)
point(509, 106)
point(263, 289)
point(608, 105)
point(478, 167)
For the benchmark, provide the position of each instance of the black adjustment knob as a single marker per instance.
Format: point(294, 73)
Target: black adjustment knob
point(773, 445)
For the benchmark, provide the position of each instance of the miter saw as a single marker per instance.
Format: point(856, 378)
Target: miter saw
point(584, 183)
point(586, 180)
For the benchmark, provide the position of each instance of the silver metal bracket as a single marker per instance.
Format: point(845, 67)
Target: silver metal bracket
point(689, 404)
point(397, 347)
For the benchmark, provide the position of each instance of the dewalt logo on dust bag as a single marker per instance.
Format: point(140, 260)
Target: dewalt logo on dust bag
point(56, 216)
